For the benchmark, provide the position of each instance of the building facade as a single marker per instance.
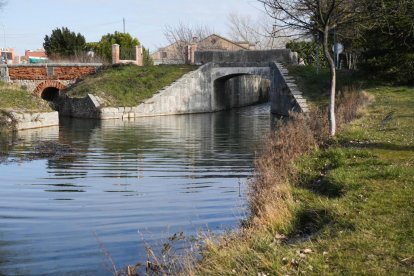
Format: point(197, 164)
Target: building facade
point(182, 52)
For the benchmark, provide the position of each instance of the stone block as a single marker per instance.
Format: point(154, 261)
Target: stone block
point(35, 120)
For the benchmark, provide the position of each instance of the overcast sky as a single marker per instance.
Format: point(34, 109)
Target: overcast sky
point(24, 23)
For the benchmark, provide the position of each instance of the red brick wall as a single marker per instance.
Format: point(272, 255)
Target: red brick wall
point(70, 73)
point(28, 73)
point(41, 72)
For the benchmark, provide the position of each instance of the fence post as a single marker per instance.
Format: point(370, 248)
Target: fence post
point(115, 54)
point(139, 56)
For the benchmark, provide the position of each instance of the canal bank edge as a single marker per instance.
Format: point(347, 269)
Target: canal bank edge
point(22, 120)
point(350, 207)
point(193, 93)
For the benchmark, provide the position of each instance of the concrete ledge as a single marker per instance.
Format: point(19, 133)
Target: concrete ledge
point(35, 120)
point(280, 55)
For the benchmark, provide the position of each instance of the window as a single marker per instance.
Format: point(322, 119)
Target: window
point(164, 55)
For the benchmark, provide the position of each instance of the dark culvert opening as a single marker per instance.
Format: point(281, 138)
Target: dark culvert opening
point(50, 94)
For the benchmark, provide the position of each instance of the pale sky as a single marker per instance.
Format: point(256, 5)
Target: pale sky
point(24, 23)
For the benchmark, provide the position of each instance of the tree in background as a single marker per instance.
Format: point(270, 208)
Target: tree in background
point(304, 18)
point(126, 42)
point(147, 60)
point(388, 40)
point(257, 32)
point(182, 35)
point(308, 51)
point(64, 43)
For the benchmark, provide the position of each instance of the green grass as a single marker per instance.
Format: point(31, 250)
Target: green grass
point(129, 85)
point(353, 203)
point(368, 190)
point(316, 85)
point(13, 98)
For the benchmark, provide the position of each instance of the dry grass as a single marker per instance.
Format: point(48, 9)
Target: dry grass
point(78, 58)
point(273, 210)
point(269, 197)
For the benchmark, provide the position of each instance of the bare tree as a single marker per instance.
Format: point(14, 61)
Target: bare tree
point(314, 17)
point(182, 35)
point(258, 32)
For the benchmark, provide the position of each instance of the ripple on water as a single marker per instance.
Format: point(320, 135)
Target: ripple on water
point(128, 182)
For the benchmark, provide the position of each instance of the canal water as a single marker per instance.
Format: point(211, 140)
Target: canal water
point(129, 184)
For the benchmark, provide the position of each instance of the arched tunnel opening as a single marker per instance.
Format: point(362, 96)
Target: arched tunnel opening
point(50, 94)
point(240, 90)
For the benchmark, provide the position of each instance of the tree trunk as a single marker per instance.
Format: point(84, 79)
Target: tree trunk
point(327, 54)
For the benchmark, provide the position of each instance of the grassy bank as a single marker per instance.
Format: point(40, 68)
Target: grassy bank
point(14, 98)
point(345, 207)
point(129, 85)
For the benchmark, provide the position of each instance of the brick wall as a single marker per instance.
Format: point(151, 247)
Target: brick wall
point(50, 73)
point(28, 73)
point(70, 73)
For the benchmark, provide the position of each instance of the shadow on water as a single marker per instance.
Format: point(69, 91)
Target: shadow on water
point(7, 142)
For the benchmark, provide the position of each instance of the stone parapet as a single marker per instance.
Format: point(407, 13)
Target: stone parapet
point(285, 96)
point(284, 56)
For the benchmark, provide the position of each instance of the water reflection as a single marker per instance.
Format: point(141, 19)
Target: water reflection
point(155, 175)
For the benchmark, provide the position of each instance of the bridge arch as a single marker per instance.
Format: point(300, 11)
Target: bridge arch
point(49, 89)
point(239, 87)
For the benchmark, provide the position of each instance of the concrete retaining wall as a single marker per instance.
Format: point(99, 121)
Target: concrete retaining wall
point(35, 120)
point(285, 96)
point(203, 90)
point(284, 56)
point(193, 93)
point(241, 91)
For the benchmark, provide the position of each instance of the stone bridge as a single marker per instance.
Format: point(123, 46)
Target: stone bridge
point(225, 80)
point(46, 80)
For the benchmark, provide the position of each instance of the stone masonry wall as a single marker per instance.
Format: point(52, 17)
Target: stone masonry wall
point(32, 85)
